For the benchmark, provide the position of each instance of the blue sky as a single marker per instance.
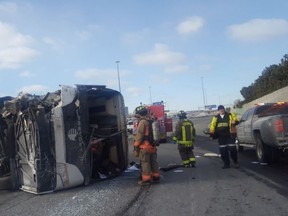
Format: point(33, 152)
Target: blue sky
point(183, 52)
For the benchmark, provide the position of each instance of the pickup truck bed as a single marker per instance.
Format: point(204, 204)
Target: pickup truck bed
point(265, 128)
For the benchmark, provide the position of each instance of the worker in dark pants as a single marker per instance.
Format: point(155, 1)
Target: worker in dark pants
point(220, 128)
point(184, 136)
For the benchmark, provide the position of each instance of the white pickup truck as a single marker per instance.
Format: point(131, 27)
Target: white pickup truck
point(265, 127)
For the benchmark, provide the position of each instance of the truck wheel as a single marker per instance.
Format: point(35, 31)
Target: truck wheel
point(264, 154)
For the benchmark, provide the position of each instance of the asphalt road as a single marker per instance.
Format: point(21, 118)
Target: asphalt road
point(253, 189)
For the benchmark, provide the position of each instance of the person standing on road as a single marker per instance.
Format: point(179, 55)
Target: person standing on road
point(220, 128)
point(145, 148)
point(184, 136)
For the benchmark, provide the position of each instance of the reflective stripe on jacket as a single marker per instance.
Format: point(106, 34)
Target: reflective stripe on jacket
point(232, 128)
point(184, 132)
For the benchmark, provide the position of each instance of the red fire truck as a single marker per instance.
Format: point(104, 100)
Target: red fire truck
point(160, 115)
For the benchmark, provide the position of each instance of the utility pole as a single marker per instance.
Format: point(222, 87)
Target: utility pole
point(117, 62)
point(203, 93)
point(150, 95)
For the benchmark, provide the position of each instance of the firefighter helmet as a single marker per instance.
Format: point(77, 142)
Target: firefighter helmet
point(141, 110)
point(182, 114)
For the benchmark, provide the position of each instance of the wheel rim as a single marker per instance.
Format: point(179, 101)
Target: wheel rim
point(259, 150)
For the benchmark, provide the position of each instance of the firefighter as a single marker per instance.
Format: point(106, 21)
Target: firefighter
point(184, 136)
point(144, 145)
point(222, 127)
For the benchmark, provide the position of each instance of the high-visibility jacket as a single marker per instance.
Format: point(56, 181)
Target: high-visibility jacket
point(225, 124)
point(184, 132)
point(236, 120)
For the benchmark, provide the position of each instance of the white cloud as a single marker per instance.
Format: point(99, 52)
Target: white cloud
point(134, 91)
point(34, 89)
point(86, 34)
point(15, 56)
point(259, 30)
point(100, 77)
point(11, 38)
point(92, 73)
point(190, 25)
point(14, 47)
point(175, 69)
point(54, 44)
point(50, 41)
point(26, 74)
point(160, 55)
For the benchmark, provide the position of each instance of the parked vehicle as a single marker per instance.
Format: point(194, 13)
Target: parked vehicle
point(63, 139)
point(130, 126)
point(265, 127)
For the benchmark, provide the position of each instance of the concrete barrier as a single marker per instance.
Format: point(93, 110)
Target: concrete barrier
point(279, 95)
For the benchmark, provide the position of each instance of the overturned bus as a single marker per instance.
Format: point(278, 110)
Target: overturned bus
point(62, 139)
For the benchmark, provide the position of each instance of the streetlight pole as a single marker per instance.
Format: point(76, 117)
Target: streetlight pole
point(203, 93)
point(150, 95)
point(117, 62)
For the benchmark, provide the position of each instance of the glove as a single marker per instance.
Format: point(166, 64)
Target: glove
point(211, 135)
